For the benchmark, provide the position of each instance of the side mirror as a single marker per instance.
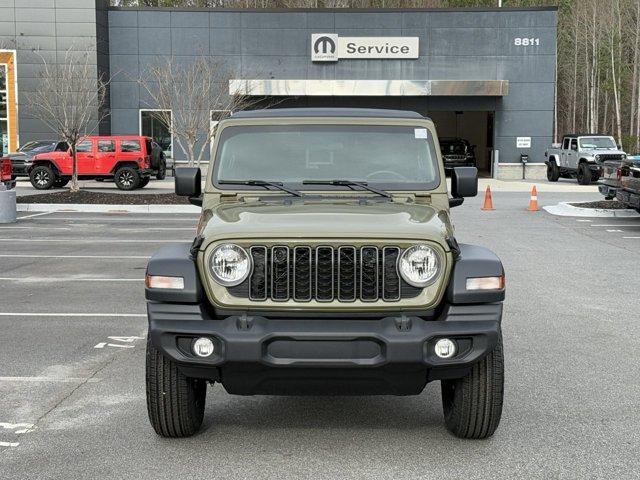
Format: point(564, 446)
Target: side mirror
point(188, 184)
point(464, 183)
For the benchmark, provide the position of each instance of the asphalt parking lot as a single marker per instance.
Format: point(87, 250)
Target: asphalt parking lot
point(72, 399)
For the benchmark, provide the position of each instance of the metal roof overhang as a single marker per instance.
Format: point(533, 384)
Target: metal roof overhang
point(368, 88)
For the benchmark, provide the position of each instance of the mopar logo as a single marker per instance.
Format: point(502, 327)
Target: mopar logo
point(329, 47)
point(324, 47)
point(324, 44)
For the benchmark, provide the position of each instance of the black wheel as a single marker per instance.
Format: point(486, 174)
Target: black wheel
point(127, 178)
point(162, 170)
point(472, 405)
point(584, 174)
point(553, 172)
point(42, 177)
point(61, 182)
point(175, 403)
point(144, 182)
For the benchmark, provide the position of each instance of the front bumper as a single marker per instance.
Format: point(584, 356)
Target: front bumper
point(20, 169)
point(607, 190)
point(390, 355)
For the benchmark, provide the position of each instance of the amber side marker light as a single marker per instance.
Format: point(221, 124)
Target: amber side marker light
point(168, 283)
point(485, 283)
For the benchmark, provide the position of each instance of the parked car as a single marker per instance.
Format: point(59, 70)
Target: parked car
point(629, 191)
point(129, 160)
point(457, 152)
point(325, 263)
point(581, 156)
point(6, 174)
point(22, 159)
point(609, 183)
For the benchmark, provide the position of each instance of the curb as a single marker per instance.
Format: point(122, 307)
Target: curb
point(101, 208)
point(563, 209)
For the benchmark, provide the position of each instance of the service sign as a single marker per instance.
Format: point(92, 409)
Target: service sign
point(329, 47)
point(523, 142)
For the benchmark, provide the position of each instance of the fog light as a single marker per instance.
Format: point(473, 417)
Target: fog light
point(203, 347)
point(445, 348)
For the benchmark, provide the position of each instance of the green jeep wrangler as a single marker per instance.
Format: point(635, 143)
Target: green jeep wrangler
point(325, 263)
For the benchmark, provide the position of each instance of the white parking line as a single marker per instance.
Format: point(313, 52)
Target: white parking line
point(34, 215)
point(630, 237)
point(149, 229)
point(614, 230)
point(66, 279)
point(120, 218)
point(9, 444)
point(78, 315)
point(98, 257)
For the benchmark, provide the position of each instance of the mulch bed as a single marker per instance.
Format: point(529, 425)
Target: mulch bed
point(608, 204)
point(105, 198)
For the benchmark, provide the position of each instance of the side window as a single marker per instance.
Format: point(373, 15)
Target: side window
point(574, 144)
point(130, 146)
point(566, 144)
point(85, 146)
point(62, 147)
point(106, 146)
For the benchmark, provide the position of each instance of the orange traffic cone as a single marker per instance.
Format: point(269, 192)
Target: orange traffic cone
point(488, 199)
point(533, 202)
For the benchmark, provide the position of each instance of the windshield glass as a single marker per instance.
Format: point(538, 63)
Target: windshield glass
point(37, 147)
point(598, 142)
point(389, 156)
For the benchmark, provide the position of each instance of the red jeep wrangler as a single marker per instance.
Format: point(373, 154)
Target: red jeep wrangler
point(127, 159)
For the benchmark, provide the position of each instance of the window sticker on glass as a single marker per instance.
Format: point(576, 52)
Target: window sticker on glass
point(421, 133)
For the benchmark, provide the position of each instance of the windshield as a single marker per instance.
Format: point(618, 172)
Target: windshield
point(37, 147)
point(389, 156)
point(589, 143)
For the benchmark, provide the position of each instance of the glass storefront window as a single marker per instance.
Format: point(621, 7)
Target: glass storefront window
point(151, 125)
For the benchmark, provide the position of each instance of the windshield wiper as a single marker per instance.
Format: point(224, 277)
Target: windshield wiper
point(347, 183)
point(261, 183)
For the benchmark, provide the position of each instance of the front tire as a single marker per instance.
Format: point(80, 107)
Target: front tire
point(553, 172)
point(42, 177)
point(127, 178)
point(472, 405)
point(175, 403)
point(584, 174)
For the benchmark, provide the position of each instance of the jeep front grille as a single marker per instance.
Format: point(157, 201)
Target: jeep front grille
point(609, 157)
point(325, 274)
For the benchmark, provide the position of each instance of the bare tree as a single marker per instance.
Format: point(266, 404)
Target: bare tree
point(70, 99)
point(190, 98)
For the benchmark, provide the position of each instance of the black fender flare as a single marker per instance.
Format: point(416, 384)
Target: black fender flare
point(175, 261)
point(473, 262)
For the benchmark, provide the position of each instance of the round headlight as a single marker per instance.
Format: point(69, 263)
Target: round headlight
point(230, 265)
point(419, 265)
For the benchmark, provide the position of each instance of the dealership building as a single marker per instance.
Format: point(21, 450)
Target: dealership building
point(484, 75)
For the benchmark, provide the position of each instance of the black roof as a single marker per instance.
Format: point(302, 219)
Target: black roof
point(576, 135)
point(326, 112)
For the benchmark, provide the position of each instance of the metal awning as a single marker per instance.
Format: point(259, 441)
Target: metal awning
point(368, 88)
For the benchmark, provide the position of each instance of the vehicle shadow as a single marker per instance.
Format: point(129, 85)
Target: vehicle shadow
point(225, 412)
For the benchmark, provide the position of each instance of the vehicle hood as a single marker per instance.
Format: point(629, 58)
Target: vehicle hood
point(325, 218)
point(594, 152)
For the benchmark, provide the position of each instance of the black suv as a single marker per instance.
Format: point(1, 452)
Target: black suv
point(457, 152)
point(21, 160)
